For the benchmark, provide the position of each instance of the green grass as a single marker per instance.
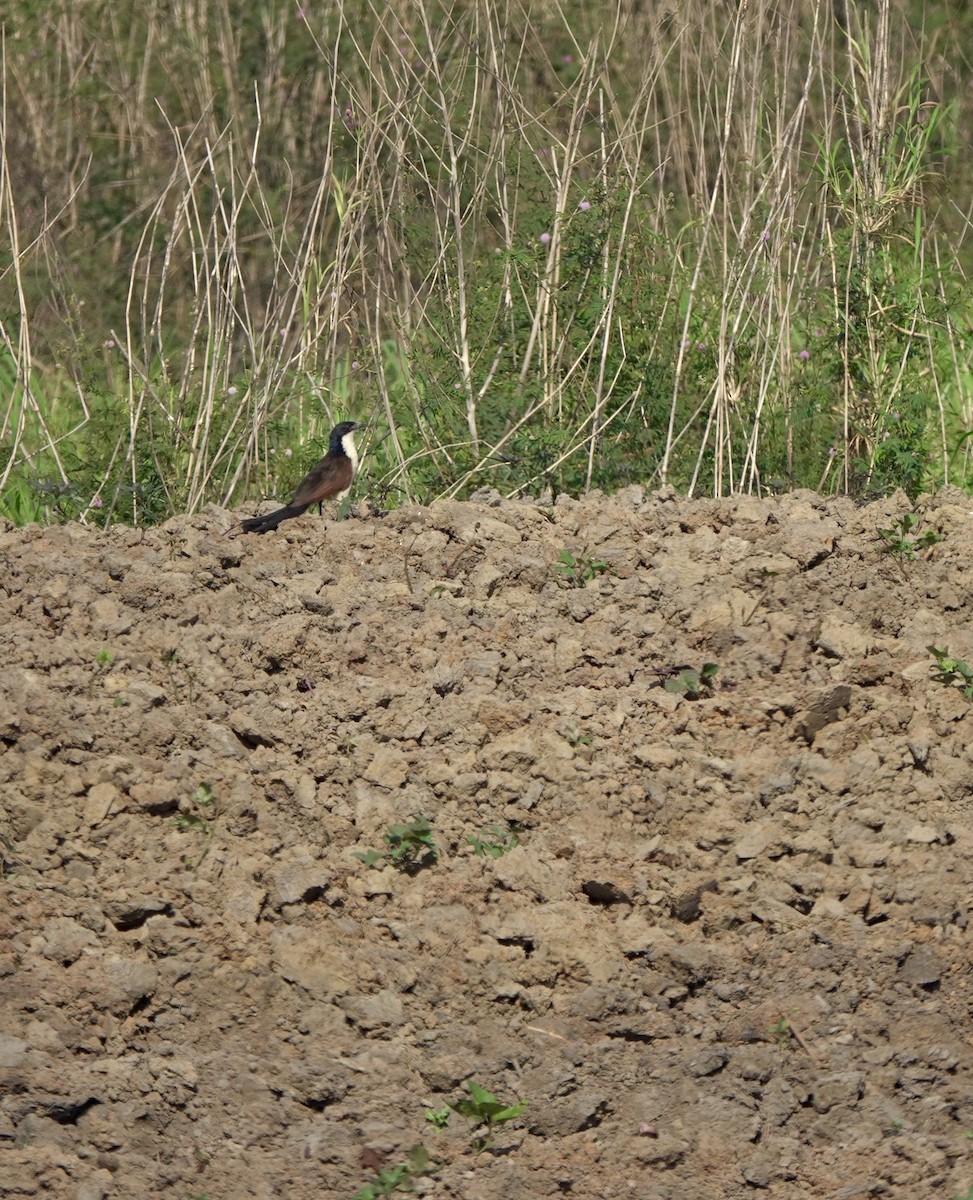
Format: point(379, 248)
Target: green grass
point(541, 251)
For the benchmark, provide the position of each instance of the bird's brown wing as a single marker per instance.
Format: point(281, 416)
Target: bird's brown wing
point(328, 478)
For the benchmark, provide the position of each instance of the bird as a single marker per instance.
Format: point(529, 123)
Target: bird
point(330, 479)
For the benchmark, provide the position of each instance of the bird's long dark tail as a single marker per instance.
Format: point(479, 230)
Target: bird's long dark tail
point(272, 520)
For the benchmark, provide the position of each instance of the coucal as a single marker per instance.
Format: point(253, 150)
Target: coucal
point(331, 479)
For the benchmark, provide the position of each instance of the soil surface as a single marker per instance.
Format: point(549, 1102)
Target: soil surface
point(727, 956)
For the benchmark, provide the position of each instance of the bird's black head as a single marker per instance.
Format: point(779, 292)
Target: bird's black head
point(339, 431)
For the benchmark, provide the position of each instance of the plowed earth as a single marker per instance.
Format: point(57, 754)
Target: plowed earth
point(728, 956)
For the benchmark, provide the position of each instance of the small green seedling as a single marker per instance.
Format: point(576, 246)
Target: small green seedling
point(196, 821)
point(692, 684)
point(782, 1033)
point(397, 1179)
point(899, 542)
point(438, 1118)
point(485, 1110)
point(953, 672)
point(495, 841)
point(578, 570)
point(409, 847)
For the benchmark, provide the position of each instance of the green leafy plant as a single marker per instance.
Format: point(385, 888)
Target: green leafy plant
point(438, 1118)
point(486, 1112)
point(197, 821)
point(691, 683)
point(409, 846)
point(397, 1179)
point(578, 570)
point(953, 672)
point(898, 541)
point(781, 1031)
point(496, 840)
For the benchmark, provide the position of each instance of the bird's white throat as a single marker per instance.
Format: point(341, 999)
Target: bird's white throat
point(348, 445)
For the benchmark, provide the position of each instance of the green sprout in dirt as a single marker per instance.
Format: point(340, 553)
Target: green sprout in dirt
point(196, 820)
point(782, 1033)
point(496, 840)
point(578, 570)
point(397, 1179)
point(486, 1112)
point(409, 847)
point(899, 542)
point(691, 683)
point(438, 1118)
point(953, 672)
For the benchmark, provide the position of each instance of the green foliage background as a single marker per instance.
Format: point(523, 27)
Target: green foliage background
point(534, 247)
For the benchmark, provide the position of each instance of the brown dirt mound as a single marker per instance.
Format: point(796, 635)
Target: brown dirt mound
point(729, 954)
